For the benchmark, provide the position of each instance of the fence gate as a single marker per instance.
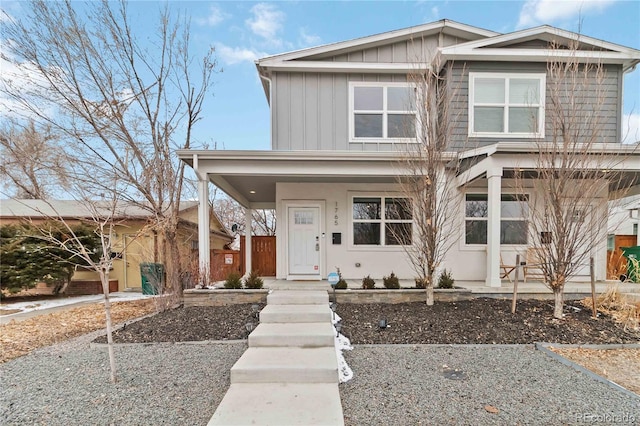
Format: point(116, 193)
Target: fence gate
point(263, 255)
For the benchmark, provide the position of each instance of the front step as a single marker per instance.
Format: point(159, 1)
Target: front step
point(304, 335)
point(298, 297)
point(295, 313)
point(280, 404)
point(286, 365)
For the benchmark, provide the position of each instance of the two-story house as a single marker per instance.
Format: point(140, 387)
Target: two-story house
point(339, 114)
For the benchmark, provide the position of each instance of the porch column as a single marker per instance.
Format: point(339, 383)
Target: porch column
point(494, 183)
point(247, 240)
point(204, 230)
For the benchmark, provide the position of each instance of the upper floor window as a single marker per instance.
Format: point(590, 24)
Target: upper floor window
point(380, 111)
point(506, 105)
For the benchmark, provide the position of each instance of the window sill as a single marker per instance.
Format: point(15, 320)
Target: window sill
point(383, 140)
point(507, 135)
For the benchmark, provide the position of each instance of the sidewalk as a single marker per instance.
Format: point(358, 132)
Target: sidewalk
point(42, 307)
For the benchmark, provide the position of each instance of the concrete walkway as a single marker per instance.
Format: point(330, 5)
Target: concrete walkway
point(289, 374)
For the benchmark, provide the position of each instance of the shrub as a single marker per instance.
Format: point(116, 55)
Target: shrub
point(233, 281)
point(445, 280)
point(342, 284)
point(253, 281)
point(391, 282)
point(421, 283)
point(368, 283)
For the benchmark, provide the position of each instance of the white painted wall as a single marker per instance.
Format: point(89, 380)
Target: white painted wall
point(467, 263)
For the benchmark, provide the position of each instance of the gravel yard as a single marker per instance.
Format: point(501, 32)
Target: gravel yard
point(68, 384)
point(400, 384)
point(406, 385)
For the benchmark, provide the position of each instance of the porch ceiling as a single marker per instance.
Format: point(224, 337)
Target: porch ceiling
point(250, 177)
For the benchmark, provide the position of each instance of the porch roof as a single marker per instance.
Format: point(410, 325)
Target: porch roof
point(250, 177)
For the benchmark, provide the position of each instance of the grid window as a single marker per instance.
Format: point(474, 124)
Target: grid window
point(382, 221)
point(382, 111)
point(506, 104)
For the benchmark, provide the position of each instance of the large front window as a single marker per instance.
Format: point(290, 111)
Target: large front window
point(382, 221)
point(507, 105)
point(382, 111)
point(514, 210)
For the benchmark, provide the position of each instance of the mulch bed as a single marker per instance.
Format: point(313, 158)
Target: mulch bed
point(188, 324)
point(479, 321)
point(486, 321)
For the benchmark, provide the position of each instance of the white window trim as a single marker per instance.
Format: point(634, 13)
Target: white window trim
point(465, 218)
point(541, 77)
point(382, 246)
point(352, 112)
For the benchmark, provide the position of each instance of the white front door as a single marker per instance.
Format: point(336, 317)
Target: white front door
point(304, 240)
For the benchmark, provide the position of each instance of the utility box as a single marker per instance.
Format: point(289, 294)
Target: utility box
point(152, 275)
point(633, 262)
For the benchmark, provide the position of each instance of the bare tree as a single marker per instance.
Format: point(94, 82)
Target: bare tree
point(31, 161)
point(231, 213)
point(426, 177)
point(122, 107)
point(573, 173)
point(102, 216)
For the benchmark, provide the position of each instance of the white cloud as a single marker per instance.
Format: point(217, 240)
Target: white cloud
point(235, 55)
point(266, 22)
point(216, 16)
point(536, 12)
point(307, 39)
point(435, 13)
point(630, 128)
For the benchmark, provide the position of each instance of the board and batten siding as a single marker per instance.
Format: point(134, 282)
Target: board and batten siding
point(609, 109)
point(311, 111)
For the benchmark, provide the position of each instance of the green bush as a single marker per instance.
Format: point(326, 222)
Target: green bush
point(368, 283)
point(253, 281)
point(445, 280)
point(233, 281)
point(391, 282)
point(342, 284)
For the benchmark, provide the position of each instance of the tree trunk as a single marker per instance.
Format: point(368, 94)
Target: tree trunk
point(558, 297)
point(104, 277)
point(429, 288)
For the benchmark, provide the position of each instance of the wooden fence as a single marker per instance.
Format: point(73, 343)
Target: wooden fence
point(263, 255)
point(616, 262)
point(263, 258)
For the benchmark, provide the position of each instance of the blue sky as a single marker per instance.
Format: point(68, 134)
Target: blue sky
point(236, 115)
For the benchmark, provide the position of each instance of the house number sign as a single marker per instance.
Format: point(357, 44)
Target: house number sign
point(335, 217)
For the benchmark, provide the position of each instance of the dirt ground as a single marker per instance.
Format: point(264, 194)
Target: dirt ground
point(480, 321)
point(621, 366)
point(18, 338)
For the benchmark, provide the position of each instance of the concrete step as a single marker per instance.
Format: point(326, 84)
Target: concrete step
point(286, 365)
point(295, 313)
point(632, 297)
point(279, 404)
point(298, 297)
point(302, 335)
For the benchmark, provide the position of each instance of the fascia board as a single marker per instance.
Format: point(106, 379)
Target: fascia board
point(348, 67)
point(537, 31)
point(528, 55)
point(386, 37)
point(337, 156)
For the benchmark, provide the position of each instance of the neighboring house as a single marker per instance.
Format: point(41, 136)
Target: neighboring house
point(335, 145)
point(134, 243)
point(623, 216)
